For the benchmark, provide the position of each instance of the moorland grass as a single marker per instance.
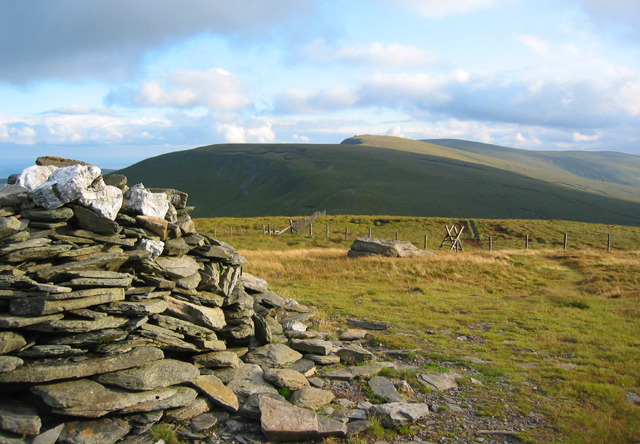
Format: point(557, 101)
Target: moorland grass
point(560, 328)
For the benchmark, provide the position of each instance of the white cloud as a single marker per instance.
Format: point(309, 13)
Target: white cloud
point(441, 8)
point(577, 137)
point(536, 44)
point(215, 89)
point(256, 131)
point(75, 129)
point(390, 55)
point(628, 96)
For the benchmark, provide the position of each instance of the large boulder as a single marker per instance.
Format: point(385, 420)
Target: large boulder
point(369, 246)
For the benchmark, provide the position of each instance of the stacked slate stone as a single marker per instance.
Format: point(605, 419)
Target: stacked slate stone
point(115, 314)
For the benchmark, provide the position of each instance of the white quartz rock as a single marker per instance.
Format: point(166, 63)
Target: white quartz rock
point(105, 200)
point(34, 176)
point(156, 247)
point(147, 203)
point(65, 185)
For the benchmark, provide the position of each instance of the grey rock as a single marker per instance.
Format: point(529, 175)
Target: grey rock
point(10, 321)
point(197, 407)
point(13, 195)
point(203, 422)
point(55, 215)
point(439, 381)
point(9, 226)
point(10, 341)
point(355, 427)
point(137, 308)
point(51, 372)
point(353, 354)
point(8, 363)
point(283, 422)
point(107, 261)
point(331, 427)
point(177, 198)
point(49, 351)
point(36, 253)
point(153, 375)
point(79, 325)
point(178, 267)
point(90, 399)
point(367, 325)
point(285, 378)
point(19, 418)
point(176, 247)
point(323, 359)
point(251, 407)
point(42, 306)
point(272, 355)
point(220, 394)
point(314, 346)
point(184, 327)
point(312, 398)
point(49, 436)
point(211, 317)
point(248, 380)
point(353, 334)
point(254, 284)
point(395, 414)
point(90, 220)
point(367, 246)
point(384, 388)
point(104, 431)
point(218, 359)
point(304, 366)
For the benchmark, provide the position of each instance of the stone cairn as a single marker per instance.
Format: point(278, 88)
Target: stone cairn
point(115, 314)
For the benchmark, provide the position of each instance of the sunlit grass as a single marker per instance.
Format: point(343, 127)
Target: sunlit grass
point(563, 322)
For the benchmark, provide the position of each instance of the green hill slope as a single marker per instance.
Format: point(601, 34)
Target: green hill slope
point(288, 179)
point(607, 173)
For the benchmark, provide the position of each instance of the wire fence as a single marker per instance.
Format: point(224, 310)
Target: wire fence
point(472, 239)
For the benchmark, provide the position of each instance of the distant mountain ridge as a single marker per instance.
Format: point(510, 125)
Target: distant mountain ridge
point(395, 176)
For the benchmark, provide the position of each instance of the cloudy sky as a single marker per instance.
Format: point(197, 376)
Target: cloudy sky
point(117, 81)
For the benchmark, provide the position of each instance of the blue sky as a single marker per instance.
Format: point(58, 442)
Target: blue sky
point(116, 81)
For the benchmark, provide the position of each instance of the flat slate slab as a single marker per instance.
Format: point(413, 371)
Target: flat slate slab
point(43, 372)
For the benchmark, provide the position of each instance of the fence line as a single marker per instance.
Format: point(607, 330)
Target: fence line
point(490, 243)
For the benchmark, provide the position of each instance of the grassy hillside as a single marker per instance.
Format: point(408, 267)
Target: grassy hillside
point(551, 334)
point(607, 173)
point(287, 179)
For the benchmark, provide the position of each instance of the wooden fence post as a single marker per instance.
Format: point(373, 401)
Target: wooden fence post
point(346, 232)
point(490, 243)
point(327, 230)
point(526, 242)
point(425, 241)
point(264, 230)
point(215, 232)
point(310, 229)
point(230, 230)
point(609, 243)
point(396, 235)
point(369, 231)
point(566, 238)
